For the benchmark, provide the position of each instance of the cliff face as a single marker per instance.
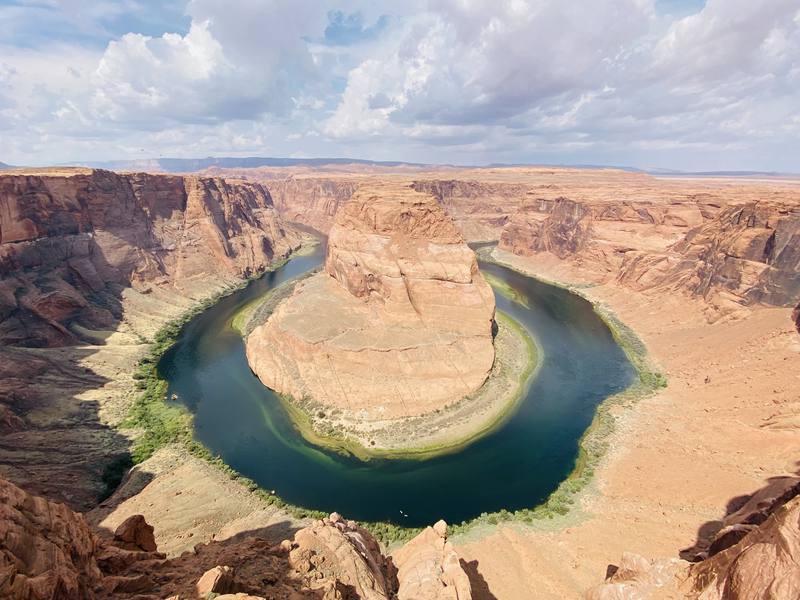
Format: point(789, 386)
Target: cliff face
point(92, 263)
point(68, 244)
point(562, 227)
point(479, 209)
point(749, 252)
point(311, 201)
point(400, 322)
point(745, 252)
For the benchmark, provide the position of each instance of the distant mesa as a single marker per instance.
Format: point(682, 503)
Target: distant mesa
point(398, 324)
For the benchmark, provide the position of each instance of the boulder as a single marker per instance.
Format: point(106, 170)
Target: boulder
point(429, 568)
point(135, 534)
point(219, 580)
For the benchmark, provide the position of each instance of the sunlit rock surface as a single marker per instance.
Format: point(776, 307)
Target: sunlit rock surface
point(398, 324)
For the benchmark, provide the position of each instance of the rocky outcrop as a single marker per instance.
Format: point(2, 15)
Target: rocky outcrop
point(749, 253)
point(637, 578)
point(48, 551)
point(135, 534)
point(765, 564)
point(429, 568)
point(561, 227)
point(341, 559)
point(70, 242)
point(399, 323)
point(754, 555)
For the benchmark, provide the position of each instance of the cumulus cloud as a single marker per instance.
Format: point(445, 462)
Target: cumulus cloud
point(611, 81)
point(487, 60)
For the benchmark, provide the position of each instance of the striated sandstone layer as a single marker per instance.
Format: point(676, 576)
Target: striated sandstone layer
point(68, 243)
point(399, 323)
point(750, 253)
point(92, 263)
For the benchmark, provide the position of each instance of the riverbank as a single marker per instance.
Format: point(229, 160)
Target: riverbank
point(563, 505)
point(673, 459)
point(443, 431)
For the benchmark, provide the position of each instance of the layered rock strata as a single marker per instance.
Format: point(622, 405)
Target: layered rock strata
point(398, 324)
point(70, 242)
point(92, 264)
point(48, 551)
point(750, 253)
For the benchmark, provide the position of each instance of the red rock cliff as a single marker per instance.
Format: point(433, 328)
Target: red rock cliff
point(69, 242)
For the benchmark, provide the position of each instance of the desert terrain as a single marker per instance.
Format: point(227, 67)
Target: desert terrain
point(706, 271)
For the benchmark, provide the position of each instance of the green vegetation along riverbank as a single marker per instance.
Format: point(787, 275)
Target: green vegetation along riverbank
point(594, 443)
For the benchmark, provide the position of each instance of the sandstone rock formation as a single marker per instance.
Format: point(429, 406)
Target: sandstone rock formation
point(562, 227)
point(429, 568)
point(48, 551)
point(135, 534)
point(92, 263)
point(398, 324)
point(340, 558)
point(753, 556)
point(69, 242)
point(312, 201)
point(479, 209)
point(749, 252)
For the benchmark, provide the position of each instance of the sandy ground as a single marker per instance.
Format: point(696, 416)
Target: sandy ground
point(723, 426)
point(189, 501)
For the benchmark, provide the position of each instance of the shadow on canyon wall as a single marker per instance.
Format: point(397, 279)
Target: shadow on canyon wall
point(742, 514)
point(53, 441)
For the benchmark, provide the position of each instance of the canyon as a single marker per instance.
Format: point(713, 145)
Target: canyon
point(93, 264)
point(705, 270)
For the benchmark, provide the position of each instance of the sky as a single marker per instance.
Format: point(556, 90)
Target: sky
point(677, 84)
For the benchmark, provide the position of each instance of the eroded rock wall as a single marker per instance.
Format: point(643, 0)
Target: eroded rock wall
point(70, 243)
point(479, 209)
point(92, 264)
point(398, 324)
point(48, 551)
point(311, 201)
point(749, 252)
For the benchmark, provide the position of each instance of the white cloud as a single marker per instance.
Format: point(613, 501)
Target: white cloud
point(444, 80)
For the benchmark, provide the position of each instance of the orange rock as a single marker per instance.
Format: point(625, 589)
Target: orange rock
point(219, 580)
point(400, 322)
point(135, 534)
point(333, 555)
point(429, 568)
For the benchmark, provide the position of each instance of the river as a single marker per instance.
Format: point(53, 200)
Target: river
point(516, 466)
